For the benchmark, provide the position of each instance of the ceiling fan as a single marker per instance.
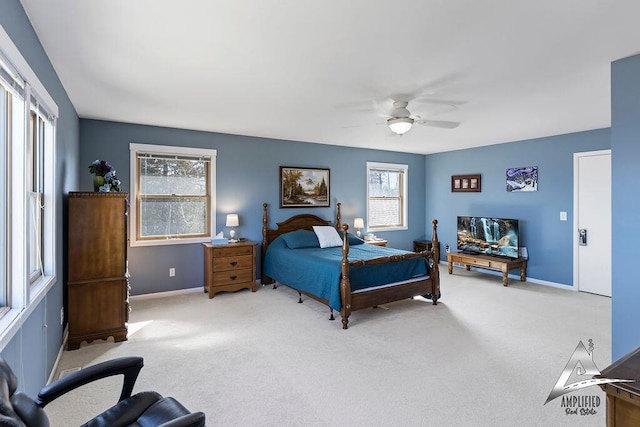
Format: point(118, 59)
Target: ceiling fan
point(400, 120)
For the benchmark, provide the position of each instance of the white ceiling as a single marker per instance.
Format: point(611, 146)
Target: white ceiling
point(311, 70)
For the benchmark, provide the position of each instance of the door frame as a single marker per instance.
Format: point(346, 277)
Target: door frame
point(574, 230)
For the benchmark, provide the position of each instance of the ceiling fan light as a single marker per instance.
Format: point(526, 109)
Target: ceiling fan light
point(400, 125)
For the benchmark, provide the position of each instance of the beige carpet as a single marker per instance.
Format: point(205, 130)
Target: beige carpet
point(486, 355)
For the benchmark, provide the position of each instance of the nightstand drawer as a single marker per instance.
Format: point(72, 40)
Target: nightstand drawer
point(225, 251)
point(232, 263)
point(231, 277)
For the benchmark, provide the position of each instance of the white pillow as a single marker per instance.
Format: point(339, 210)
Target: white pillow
point(327, 236)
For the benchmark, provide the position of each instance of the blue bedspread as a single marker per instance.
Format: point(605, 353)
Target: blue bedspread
point(317, 271)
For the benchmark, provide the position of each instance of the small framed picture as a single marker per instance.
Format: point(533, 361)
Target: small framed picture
point(522, 179)
point(466, 183)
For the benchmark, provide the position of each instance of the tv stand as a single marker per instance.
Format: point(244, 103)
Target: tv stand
point(491, 263)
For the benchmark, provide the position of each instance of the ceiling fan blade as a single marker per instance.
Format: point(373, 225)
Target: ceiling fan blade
point(428, 100)
point(363, 125)
point(439, 123)
point(380, 108)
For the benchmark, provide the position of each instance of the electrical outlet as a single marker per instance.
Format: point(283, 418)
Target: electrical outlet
point(172, 272)
point(61, 316)
point(563, 216)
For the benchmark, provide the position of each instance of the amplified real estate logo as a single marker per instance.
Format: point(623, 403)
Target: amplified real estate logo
point(579, 373)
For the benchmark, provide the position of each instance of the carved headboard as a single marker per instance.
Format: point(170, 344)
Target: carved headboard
point(296, 222)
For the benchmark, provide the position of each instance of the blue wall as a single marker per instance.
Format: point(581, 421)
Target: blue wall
point(625, 145)
point(549, 241)
point(248, 172)
point(34, 348)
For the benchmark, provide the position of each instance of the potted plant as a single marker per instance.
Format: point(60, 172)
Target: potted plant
point(104, 177)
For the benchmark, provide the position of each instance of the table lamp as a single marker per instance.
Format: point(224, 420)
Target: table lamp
point(232, 221)
point(358, 223)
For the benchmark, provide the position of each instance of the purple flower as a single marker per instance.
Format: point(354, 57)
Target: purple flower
point(100, 168)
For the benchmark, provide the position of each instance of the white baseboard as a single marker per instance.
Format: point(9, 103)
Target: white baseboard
point(552, 284)
point(172, 293)
point(54, 369)
point(515, 277)
point(166, 293)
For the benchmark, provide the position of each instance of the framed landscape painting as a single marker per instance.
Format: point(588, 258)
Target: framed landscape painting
point(304, 187)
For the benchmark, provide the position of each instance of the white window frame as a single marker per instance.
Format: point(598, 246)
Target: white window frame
point(22, 293)
point(404, 169)
point(38, 138)
point(134, 148)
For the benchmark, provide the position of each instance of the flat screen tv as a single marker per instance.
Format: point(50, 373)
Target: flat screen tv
point(489, 236)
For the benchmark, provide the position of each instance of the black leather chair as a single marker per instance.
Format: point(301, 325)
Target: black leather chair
point(145, 409)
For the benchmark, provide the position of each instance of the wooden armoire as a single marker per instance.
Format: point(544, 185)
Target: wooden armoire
point(97, 285)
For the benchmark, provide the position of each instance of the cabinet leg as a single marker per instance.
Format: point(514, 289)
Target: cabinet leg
point(505, 278)
point(450, 267)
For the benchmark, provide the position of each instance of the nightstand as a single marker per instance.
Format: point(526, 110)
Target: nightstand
point(623, 399)
point(423, 245)
point(229, 267)
point(377, 242)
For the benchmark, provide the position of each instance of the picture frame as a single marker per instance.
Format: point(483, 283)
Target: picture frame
point(466, 183)
point(522, 179)
point(304, 187)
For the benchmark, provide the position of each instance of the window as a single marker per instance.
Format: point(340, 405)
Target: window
point(27, 188)
point(173, 195)
point(5, 132)
point(37, 126)
point(386, 196)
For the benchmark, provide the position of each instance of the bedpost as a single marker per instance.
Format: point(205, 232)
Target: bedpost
point(338, 217)
point(264, 229)
point(265, 242)
point(345, 285)
point(435, 270)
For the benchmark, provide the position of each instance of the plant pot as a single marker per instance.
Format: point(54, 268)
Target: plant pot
point(98, 181)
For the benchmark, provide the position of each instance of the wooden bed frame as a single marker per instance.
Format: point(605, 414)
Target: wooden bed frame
point(351, 301)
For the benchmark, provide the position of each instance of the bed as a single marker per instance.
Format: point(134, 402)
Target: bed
point(349, 277)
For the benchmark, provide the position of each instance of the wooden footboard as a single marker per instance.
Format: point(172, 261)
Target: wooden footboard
point(428, 286)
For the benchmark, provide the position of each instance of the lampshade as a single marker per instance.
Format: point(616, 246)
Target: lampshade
point(400, 125)
point(232, 220)
point(358, 223)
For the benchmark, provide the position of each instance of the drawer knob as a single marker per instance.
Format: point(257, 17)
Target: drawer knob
point(234, 263)
point(233, 277)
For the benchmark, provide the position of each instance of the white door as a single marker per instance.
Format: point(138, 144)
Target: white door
point(592, 222)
